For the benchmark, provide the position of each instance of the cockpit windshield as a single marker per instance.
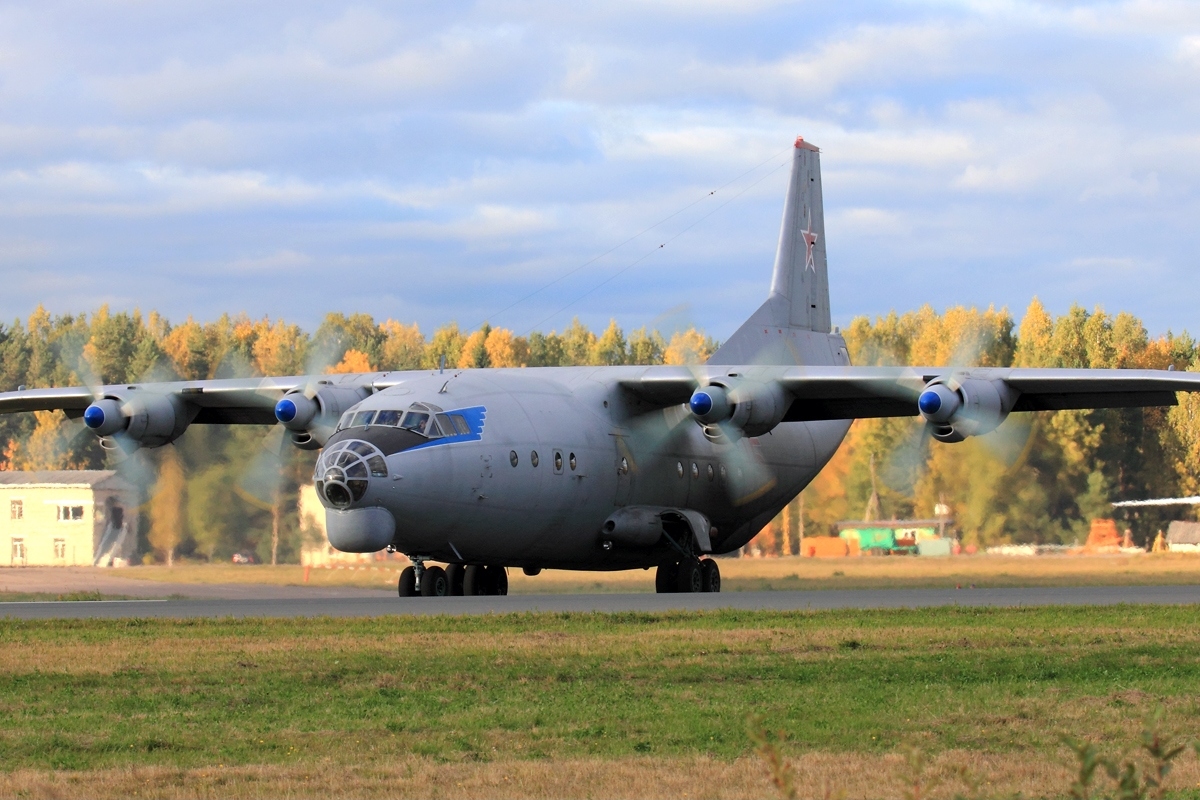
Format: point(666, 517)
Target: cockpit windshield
point(415, 421)
point(387, 417)
point(422, 418)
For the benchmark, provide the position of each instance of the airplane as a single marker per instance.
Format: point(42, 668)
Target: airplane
point(599, 468)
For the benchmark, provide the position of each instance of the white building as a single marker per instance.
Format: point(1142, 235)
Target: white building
point(67, 518)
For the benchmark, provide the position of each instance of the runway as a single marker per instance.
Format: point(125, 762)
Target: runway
point(375, 606)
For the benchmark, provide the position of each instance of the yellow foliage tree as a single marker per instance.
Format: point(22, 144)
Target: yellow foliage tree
point(48, 447)
point(189, 350)
point(505, 350)
point(688, 347)
point(352, 361)
point(279, 349)
point(403, 346)
point(474, 350)
point(167, 506)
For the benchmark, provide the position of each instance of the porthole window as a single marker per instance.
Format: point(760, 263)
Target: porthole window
point(512, 457)
point(710, 472)
point(533, 459)
point(724, 474)
point(558, 461)
point(679, 468)
point(571, 460)
point(695, 470)
point(624, 470)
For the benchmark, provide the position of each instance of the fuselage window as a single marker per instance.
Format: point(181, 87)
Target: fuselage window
point(572, 462)
point(695, 470)
point(460, 424)
point(679, 468)
point(557, 461)
point(362, 418)
point(512, 457)
point(415, 421)
point(710, 472)
point(391, 418)
point(533, 459)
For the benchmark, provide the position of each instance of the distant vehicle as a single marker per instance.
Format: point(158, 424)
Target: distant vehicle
point(599, 468)
point(244, 558)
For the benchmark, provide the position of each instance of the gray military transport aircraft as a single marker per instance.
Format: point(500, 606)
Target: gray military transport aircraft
point(599, 468)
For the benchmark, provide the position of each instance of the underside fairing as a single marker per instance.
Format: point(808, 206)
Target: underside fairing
point(465, 501)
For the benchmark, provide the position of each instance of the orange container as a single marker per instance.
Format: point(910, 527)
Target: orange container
point(825, 547)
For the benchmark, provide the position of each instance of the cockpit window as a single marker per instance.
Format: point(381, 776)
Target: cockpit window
point(345, 420)
point(415, 421)
point(388, 418)
point(460, 424)
point(362, 418)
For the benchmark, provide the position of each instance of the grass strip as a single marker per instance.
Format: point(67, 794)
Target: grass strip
point(95, 694)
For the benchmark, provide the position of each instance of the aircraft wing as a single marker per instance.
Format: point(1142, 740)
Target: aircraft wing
point(862, 392)
point(971, 401)
point(235, 401)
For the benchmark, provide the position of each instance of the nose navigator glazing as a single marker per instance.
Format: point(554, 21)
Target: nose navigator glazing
point(344, 469)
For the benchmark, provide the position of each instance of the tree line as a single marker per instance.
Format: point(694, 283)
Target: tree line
point(222, 490)
point(1040, 478)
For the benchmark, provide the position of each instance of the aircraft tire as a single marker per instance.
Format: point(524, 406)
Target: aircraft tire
point(455, 573)
point(434, 583)
point(690, 577)
point(475, 580)
point(499, 579)
point(710, 576)
point(665, 578)
point(407, 586)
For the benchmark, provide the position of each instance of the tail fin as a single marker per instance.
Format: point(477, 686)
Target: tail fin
point(779, 332)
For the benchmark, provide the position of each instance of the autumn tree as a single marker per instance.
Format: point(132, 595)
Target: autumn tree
point(167, 505)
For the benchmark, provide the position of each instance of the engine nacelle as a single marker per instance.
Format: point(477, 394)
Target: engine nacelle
point(956, 409)
point(313, 416)
point(138, 419)
point(744, 408)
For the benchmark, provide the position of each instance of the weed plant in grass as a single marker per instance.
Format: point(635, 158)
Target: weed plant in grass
point(288, 695)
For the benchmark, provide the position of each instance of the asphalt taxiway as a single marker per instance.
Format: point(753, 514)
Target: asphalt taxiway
point(377, 606)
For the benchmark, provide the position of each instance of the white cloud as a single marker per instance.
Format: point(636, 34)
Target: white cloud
point(973, 151)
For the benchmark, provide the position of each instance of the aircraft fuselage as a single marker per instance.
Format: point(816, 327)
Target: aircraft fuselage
point(549, 455)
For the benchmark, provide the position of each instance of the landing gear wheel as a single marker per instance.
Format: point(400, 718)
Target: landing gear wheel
point(665, 578)
point(499, 576)
point(408, 582)
point(434, 583)
point(475, 580)
point(710, 576)
point(690, 578)
point(455, 574)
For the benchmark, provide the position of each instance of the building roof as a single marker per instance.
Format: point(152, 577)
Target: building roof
point(894, 524)
point(93, 478)
point(1183, 532)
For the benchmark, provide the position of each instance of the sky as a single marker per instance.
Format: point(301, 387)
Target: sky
point(497, 161)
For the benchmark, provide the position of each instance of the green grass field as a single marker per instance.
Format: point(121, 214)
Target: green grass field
point(270, 707)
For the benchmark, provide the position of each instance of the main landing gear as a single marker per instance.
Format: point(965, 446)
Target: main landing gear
point(455, 580)
point(688, 575)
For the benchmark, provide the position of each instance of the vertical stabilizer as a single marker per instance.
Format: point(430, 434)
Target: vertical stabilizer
point(801, 274)
point(781, 330)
